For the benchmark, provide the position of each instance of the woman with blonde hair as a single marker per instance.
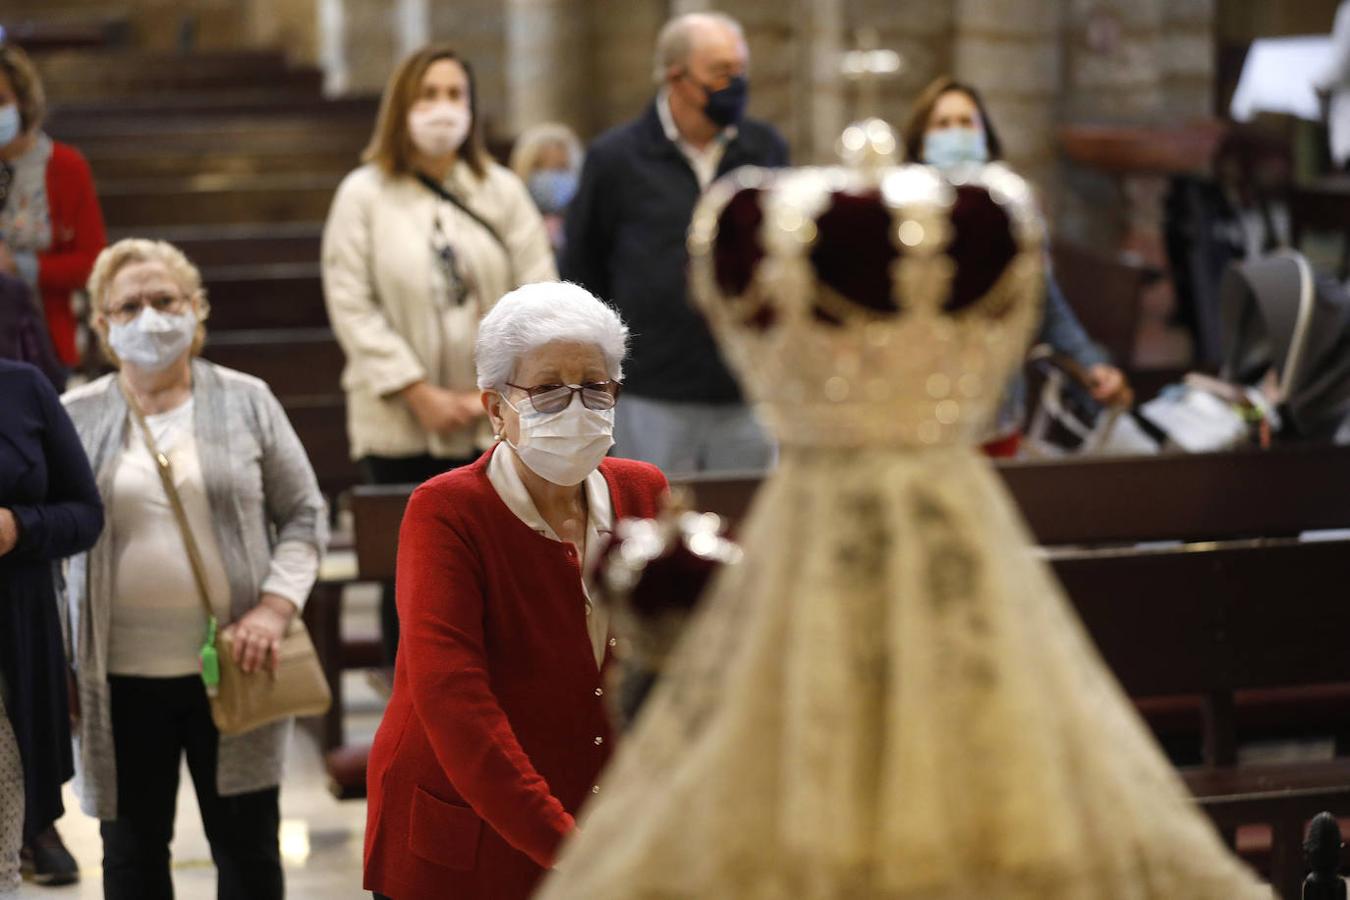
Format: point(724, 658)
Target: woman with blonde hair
point(253, 508)
point(421, 240)
point(548, 157)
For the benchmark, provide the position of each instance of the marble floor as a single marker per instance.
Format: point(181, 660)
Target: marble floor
point(321, 838)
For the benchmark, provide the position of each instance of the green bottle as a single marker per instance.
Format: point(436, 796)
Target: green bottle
point(210, 660)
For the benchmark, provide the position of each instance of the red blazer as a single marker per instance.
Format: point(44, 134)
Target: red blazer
point(497, 728)
point(77, 237)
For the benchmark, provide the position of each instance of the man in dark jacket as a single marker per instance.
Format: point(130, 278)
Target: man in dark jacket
point(626, 227)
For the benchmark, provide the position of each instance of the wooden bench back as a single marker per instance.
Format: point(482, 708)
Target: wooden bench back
point(1211, 496)
point(1202, 497)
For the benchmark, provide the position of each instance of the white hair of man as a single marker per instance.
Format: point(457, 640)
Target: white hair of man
point(537, 314)
point(676, 41)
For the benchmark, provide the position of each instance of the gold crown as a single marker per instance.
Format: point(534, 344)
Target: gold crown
point(873, 303)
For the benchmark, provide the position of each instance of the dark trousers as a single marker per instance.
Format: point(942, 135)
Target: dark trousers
point(155, 721)
point(400, 470)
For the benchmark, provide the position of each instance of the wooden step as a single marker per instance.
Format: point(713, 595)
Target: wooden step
point(116, 85)
point(307, 130)
point(91, 65)
point(272, 101)
point(219, 249)
point(42, 36)
point(268, 296)
point(128, 165)
point(130, 204)
point(299, 364)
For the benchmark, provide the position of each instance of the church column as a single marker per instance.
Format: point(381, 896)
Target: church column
point(547, 76)
point(820, 112)
point(1010, 51)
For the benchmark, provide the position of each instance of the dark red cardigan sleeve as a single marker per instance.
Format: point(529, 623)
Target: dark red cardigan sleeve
point(440, 608)
point(77, 222)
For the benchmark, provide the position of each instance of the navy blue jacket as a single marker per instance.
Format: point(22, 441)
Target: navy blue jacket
point(46, 482)
point(626, 244)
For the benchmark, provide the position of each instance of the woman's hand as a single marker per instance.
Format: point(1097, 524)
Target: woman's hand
point(257, 635)
point(439, 409)
point(8, 265)
point(1107, 382)
point(9, 531)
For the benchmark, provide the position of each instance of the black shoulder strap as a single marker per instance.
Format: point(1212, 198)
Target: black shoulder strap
point(439, 190)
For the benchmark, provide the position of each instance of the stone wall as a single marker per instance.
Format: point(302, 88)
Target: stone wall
point(1040, 63)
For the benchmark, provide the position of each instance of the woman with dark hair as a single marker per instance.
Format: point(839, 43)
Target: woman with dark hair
point(49, 509)
point(419, 243)
point(949, 126)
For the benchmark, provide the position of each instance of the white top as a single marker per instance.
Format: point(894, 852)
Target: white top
point(386, 295)
point(1335, 77)
point(599, 521)
point(705, 161)
point(158, 624)
point(1281, 75)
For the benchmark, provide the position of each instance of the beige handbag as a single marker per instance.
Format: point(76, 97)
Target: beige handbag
point(243, 701)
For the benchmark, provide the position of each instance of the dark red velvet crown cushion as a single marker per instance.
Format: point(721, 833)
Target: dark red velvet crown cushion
point(982, 246)
point(855, 249)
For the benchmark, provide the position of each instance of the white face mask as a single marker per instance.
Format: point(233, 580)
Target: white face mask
point(11, 123)
point(566, 446)
point(153, 340)
point(439, 128)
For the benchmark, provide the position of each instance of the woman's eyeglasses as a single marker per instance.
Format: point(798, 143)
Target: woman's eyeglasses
point(552, 398)
point(126, 310)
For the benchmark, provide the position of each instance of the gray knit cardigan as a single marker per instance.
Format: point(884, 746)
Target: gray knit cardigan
point(261, 489)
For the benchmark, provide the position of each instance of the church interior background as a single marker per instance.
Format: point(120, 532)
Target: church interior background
point(1099, 103)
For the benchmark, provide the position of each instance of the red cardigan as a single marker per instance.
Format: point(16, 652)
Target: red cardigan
point(77, 237)
point(496, 729)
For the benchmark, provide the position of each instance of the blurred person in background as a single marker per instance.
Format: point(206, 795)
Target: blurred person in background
point(626, 227)
point(419, 243)
point(51, 226)
point(548, 159)
point(950, 126)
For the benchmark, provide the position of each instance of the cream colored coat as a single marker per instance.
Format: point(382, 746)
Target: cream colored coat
point(385, 294)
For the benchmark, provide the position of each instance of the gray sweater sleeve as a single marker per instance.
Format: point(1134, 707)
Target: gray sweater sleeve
point(295, 506)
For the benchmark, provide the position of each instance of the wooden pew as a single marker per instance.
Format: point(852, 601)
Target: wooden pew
point(1323, 206)
point(1114, 500)
point(1215, 621)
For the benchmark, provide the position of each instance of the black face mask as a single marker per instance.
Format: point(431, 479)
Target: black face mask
point(726, 105)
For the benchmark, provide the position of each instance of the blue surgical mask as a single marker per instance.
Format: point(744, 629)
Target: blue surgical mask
point(946, 147)
point(553, 189)
point(11, 125)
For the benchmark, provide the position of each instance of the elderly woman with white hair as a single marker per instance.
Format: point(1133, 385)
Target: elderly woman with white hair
point(496, 730)
point(139, 627)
